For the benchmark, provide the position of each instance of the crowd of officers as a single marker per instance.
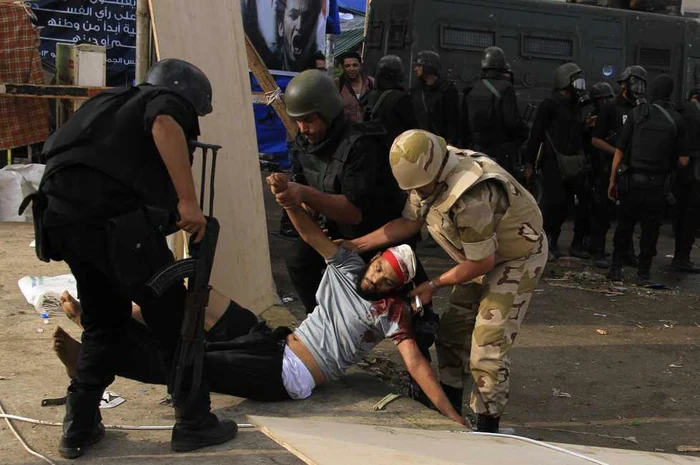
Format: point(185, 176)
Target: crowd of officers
point(568, 152)
point(365, 144)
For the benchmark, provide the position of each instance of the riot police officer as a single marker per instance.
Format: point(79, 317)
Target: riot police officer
point(601, 207)
point(342, 175)
point(607, 129)
point(688, 189)
point(436, 100)
point(111, 167)
point(651, 143)
point(557, 136)
point(492, 122)
point(389, 103)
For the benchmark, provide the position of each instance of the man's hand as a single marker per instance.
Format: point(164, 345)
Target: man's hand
point(424, 292)
point(612, 194)
point(684, 161)
point(278, 183)
point(529, 171)
point(192, 220)
point(590, 120)
point(293, 196)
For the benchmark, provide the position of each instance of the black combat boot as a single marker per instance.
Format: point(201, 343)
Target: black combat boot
point(197, 427)
point(487, 424)
point(577, 249)
point(600, 258)
point(82, 425)
point(631, 259)
point(644, 271)
point(454, 395)
point(554, 251)
point(615, 273)
point(684, 265)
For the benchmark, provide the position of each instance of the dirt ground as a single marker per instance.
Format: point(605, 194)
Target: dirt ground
point(635, 386)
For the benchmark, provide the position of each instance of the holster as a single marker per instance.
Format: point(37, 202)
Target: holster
point(41, 239)
point(137, 246)
point(622, 179)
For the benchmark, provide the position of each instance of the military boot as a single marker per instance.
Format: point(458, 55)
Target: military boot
point(684, 265)
point(554, 251)
point(487, 424)
point(600, 258)
point(644, 271)
point(197, 427)
point(631, 259)
point(577, 249)
point(82, 425)
point(615, 272)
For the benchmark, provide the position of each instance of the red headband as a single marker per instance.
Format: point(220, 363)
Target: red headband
point(393, 261)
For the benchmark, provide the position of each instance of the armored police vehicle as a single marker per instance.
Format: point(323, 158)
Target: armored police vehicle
point(537, 37)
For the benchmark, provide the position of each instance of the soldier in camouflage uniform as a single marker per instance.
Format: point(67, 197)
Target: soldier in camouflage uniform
point(491, 226)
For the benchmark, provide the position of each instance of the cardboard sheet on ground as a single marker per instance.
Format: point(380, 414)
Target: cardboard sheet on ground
point(323, 443)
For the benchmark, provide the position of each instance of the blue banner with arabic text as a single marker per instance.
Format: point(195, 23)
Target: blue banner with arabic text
point(111, 23)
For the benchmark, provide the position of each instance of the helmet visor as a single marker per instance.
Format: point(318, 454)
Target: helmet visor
point(637, 86)
point(579, 83)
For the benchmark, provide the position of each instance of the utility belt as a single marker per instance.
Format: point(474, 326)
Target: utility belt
point(628, 178)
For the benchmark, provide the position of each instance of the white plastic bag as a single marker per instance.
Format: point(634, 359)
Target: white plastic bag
point(44, 292)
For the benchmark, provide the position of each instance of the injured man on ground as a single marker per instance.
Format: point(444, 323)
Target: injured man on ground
point(359, 305)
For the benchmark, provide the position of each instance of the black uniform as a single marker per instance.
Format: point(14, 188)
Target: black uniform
point(352, 162)
point(652, 140)
point(492, 121)
point(608, 127)
point(437, 109)
point(688, 187)
point(561, 119)
point(392, 108)
point(103, 170)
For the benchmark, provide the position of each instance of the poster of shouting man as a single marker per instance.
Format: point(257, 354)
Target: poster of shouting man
point(286, 33)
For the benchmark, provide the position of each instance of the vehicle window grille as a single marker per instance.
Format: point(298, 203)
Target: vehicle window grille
point(397, 34)
point(548, 47)
point(655, 58)
point(374, 39)
point(462, 38)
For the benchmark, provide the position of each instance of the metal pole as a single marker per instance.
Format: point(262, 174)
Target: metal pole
point(143, 40)
point(330, 54)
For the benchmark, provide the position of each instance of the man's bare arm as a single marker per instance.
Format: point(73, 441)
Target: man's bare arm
point(308, 229)
point(422, 372)
point(600, 144)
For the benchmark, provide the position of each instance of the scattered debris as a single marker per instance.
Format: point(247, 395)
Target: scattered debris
point(673, 365)
point(53, 402)
point(615, 288)
point(631, 439)
point(111, 400)
point(40, 330)
point(673, 400)
point(636, 423)
point(389, 398)
point(602, 332)
point(688, 449)
point(288, 300)
point(556, 392)
point(600, 314)
point(659, 450)
point(2, 378)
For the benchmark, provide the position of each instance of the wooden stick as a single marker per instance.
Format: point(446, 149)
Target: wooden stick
point(46, 91)
point(156, 44)
point(268, 85)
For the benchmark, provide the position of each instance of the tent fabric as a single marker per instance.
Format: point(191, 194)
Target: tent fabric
point(356, 5)
point(271, 133)
point(333, 19)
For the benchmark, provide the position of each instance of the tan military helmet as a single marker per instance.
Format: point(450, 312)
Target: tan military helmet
point(416, 157)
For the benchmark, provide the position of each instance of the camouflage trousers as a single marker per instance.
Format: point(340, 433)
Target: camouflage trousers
point(480, 326)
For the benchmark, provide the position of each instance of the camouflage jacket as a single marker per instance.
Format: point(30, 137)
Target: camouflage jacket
point(479, 209)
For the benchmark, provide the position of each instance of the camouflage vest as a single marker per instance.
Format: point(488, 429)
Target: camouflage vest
point(518, 233)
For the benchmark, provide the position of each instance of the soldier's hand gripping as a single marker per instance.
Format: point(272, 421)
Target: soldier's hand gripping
point(192, 219)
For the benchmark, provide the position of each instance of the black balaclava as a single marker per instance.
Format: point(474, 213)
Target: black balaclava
point(662, 88)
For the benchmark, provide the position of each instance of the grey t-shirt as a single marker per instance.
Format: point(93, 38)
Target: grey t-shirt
point(344, 327)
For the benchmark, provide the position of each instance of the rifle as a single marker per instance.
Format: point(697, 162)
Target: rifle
point(190, 351)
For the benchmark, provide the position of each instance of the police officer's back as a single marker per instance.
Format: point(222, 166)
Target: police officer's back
point(492, 121)
point(388, 103)
point(116, 171)
point(650, 145)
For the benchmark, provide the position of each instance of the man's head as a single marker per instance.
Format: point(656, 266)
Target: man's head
point(633, 82)
point(417, 158)
point(296, 26)
point(312, 99)
point(317, 61)
point(352, 64)
point(493, 59)
point(387, 272)
point(568, 78)
point(427, 64)
point(389, 73)
point(694, 94)
point(185, 79)
point(601, 93)
point(662, 88)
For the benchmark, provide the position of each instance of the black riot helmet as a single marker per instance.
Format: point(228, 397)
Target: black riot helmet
point(389, 73)
point(185, 79)
point(430, 61)
point(568, 76)
point(635, 79)
point(313, 91)
point(493, 58)
point(602, 90)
